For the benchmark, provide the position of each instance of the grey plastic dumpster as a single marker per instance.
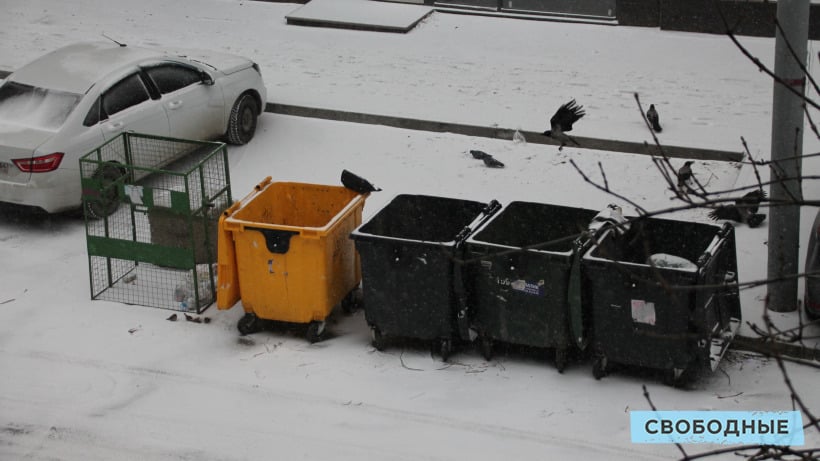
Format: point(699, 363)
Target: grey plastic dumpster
point(518, 269)
point(408, 252)
point(663, 296)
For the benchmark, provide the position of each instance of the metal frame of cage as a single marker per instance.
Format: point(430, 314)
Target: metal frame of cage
point(152, 206)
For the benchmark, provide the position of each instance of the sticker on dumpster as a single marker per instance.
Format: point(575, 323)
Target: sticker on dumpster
point(530, 288)
point(643, 312)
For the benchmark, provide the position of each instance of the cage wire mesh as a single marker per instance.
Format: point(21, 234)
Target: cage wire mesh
point(152, 207)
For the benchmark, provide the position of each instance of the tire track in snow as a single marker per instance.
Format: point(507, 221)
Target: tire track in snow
point(364, 413)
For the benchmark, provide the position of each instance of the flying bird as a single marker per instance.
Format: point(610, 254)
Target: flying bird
point(685, 174)
point(744, 210)
point(562, 121)
point(737, 214)
point(751, 200)
point(491, 162)
point(654, 120)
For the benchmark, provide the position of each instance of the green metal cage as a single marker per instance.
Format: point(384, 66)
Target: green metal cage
point(152, 206)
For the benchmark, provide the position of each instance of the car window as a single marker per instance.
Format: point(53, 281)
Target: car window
point(171, 77)
point(35, 107)
point(93, 115)
point(127, 93)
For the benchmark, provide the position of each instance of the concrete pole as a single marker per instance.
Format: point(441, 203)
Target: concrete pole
point(787, 143)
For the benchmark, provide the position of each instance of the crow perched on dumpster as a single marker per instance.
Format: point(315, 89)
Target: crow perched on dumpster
point(654, 120)
point(562, 121)
point(744, 210)
point(685, 175)
point(357, 183)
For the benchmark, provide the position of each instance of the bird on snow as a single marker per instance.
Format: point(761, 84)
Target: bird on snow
point(654, 120)
point(685, 174)
point(480, 155)
point(744, 210)
point(491, 162)
point(562, 121)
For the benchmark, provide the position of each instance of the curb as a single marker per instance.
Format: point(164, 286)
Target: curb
point(770, 348)
point(500, 133)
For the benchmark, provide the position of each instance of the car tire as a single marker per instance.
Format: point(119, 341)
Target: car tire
point(109, 200)
point(810, 314)
point(242, 122)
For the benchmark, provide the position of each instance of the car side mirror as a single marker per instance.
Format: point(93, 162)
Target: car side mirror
point(206, 78)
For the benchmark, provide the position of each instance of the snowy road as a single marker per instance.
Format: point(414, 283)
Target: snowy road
point(93, 380)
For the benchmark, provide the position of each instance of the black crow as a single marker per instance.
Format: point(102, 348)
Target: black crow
point(357, 183)
point(479, 154)
point(562, 122)
point(751, 200)
point(737, 214)
point(491, 162)
point(744, 209)
point(685, 174)
point(654, 120)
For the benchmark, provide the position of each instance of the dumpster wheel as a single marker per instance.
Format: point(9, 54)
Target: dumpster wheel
point(248, 324)
point(315, 330)
point(561, 358)
point(599, 366)
point(350, 303)
point(486, 345)
point(445, 348)
point(376, 338)
point(675, 377)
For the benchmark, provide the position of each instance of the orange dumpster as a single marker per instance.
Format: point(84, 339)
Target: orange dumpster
point(285, 252)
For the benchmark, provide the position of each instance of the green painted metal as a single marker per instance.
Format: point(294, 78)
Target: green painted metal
point(158, 217)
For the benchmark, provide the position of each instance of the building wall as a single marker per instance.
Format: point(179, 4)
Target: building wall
point(644, 13)
point(754, 18)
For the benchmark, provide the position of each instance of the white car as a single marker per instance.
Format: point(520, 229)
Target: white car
point(72, 100)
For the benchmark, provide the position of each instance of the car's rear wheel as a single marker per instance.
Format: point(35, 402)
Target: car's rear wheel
point(242, 123)
point(811, 313)
point(109, 199)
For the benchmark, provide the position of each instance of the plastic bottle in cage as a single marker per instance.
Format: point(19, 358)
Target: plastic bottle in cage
point(183, 296)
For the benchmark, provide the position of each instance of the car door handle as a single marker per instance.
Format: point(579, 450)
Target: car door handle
point(116, 126)
point(174, 105)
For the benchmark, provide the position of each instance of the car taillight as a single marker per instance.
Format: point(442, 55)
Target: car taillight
point(41, 164)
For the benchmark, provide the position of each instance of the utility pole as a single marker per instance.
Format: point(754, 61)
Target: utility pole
point(787, 149)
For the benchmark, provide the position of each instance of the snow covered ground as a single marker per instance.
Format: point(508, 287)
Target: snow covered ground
point(93, 380)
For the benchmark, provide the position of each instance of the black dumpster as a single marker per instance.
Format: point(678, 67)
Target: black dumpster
point(518, 269)
point(408, 252)
point(663, 295)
